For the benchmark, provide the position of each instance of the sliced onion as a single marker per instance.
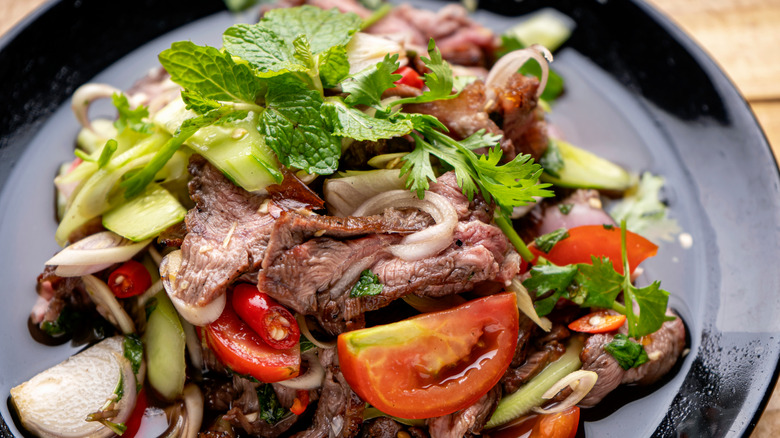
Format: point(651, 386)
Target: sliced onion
point(85, 95)
point(304, 326)
point(580, 381)
point(195, 315)
point(313, 377)
point(526, 305)
point(421, 244)
point(193, 345)
point(510, 63)
point(95, 253)
point(193, 405)
point(102, 296)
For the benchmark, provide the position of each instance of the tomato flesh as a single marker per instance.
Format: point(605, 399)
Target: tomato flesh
point(432, 364)
point(596, 240)
point(245, 352)
point(559, 425)
point(598, 322)
point(409, 77)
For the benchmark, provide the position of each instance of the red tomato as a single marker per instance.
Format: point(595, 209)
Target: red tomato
point(561, 425)
point(275, 324)
point(130, 279)
point(409, 77)
point(134, 422)
point(598, 322)
point(245, 352)
point(432, 364)
point(595, 240)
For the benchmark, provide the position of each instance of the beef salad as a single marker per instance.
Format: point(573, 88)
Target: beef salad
point(346, 221)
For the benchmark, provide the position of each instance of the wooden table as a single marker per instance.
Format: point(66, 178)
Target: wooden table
point(743, 36)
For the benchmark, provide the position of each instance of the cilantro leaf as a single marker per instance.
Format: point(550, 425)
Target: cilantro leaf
point(547, 241)
point(322, 28)
point(211, 73)
point(128, 118)
point(552, 160)
point(546, 278)
point(652, 301)
point(367, 86)
point(598, 284)
point(439, 80)
point(368, 285)
point(417, 167)
point(262, 48)
point(333, 66)
point(626, 352)
point(353, 123)
point(295, 129)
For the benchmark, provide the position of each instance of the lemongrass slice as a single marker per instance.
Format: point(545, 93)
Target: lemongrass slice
point(421, 244)
point(194, 314)
point(526, 305)
point(193, 405)
point(313, 377)
point(85, 95)
point(580, 381)
point(510, 63)
point(102, 296)
point(304, 326)
point(94, 253)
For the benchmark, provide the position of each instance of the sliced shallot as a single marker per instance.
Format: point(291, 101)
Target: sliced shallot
point(304, 326)
point(193, 405)
point(580, 381)
point(421, 244)
point(103, 297)
point(94, 253)
point(85, 95)
point(510, 63)
point(526, 305)
point(313, 377)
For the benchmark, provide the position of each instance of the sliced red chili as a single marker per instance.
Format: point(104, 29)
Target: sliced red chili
point(409, 77)
point(274, 323)
point(301, 402)
point(598, 322)
point(130, 279)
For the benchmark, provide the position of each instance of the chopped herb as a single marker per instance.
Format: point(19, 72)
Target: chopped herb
point(548, 241)
point(565, 208)
point(107, 153)
point(645, 212)
point(608, 226)
point(626, 352)
point(67, 321)
point(271, 411)
point(552, 160)
point(306, 344)
point(368, 285)
point(134, 351)
point(128, 118)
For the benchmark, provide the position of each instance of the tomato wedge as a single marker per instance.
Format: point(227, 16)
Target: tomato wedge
point(432, 364)
point(245, 352)
point(600, 321)
point(409, 77)
point(559, 425)
point(595, 240)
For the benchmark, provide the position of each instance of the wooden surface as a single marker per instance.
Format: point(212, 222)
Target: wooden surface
point(743, 36)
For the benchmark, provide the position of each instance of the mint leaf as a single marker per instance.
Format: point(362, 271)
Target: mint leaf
point(547, 278)
point(367, 86)
point(128, 118)
point(194, 101)
point(367, 285)
point(333, 66)
point(303, 52)
point(626, 352)
point(598, 284)
point(547, 241)
point(295, 128)
point(323, 29)
point(211, 73)
point(262, 48)
point(352, 123)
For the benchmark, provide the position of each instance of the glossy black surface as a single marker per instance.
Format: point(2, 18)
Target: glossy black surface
point(639, 92)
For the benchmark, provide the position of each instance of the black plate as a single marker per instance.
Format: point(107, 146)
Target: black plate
point(639, 92)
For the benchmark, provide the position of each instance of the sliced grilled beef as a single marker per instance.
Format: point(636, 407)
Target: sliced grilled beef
point(663, 348)
point(466, 422)
point(514, 378)
point(227, 235)
point(524, 334)
point(382, 427)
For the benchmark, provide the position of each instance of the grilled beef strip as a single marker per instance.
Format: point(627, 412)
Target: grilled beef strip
point(466, 422)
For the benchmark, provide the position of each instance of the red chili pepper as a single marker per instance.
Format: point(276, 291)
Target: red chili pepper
point(409, 77)
point(130, 279)
point(300, 402)
point(134, 422)
point(598, 322)
point(275, 324)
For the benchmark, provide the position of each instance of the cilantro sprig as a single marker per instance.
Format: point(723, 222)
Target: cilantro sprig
point(599, 285)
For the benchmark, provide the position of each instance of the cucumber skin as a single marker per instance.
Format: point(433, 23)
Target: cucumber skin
point(164, 343)
point(146, 215)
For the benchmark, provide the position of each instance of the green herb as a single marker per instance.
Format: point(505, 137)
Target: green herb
point(438, 80)
point(333, 66)
point(366, 87)
point(134, 351)
point(352, 123)
point(367, 285)
point(548, 241)
point(128, 118)
point(552, 160)
point(626, 352)
point(306, 344)
point(271, 411)
point(598, 285)
point(608, 226)
point(565, 208)
point(67, 321)
point(644, 212)
point(106, 153)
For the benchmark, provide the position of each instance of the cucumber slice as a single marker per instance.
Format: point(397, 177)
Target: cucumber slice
point(56, 402)
point(569, 166)
point(164, 342)
point(146, 215)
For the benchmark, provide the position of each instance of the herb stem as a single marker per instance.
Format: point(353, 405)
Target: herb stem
point(376, 16)
point(509, 231)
